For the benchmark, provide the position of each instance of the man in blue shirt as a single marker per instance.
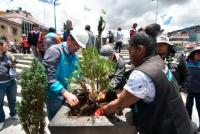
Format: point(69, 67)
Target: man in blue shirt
point(60, 62)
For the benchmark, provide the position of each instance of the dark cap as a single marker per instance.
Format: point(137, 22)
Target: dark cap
point(106, 50)
point(51, 29)
point(190, 56)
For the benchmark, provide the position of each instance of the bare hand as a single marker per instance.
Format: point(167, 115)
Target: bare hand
point(71, 99)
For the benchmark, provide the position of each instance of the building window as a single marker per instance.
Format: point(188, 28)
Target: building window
point(26, 27)
point(14, 31)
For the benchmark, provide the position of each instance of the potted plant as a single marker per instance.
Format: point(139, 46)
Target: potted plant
point(94, 72)
point(93, 91)
point(33, 82)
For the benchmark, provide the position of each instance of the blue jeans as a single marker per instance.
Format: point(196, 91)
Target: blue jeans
point(53, 105)
point(10, 90)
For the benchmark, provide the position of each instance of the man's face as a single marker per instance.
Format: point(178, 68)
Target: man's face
point(197, 56)
point(135, 25)
point(73, 45)
point(36, 28)
point(162, 49)
point(4, 47)
point(136, 54)
point(69, 24)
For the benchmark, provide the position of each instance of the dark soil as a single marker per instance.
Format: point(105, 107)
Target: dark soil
point(88, 107)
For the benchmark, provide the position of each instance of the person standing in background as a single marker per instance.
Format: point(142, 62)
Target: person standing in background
point(133, 31)
point(25, 45)
point(92, 40)
point(119, 40)
point(8, 85)
point(51, 38)
point(193, 64)
point(174, 60)
point(40, 45)
point(110, 37)
point(33, 38)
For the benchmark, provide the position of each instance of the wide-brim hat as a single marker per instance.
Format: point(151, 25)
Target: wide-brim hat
point(163, 39)
point(193, 51)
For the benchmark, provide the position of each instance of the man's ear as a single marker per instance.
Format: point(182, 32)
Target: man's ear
point(141, 49)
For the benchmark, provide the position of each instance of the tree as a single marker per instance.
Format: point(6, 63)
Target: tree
point(33, 82)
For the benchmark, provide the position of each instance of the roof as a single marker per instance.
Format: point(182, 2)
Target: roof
point(9, 21)
point(186, 29)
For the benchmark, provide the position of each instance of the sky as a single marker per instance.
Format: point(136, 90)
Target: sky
point(171, 14)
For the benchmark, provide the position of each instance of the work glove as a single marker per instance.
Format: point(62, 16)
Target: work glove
point(99, 112)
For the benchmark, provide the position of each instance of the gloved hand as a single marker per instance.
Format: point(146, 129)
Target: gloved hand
point(99, 112)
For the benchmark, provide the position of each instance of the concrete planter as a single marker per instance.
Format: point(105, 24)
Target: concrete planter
point(63, 124)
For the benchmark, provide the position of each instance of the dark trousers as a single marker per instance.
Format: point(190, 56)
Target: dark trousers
point(54, 103)
point(190, 102)
point(118, 45)
point(26, 50)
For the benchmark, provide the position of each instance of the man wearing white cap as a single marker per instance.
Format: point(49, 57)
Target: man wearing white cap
point(175, 61)
point(60, 62)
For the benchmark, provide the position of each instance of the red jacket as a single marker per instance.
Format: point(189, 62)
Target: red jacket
point(25, 42)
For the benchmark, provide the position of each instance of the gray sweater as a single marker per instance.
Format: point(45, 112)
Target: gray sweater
point(6, 60)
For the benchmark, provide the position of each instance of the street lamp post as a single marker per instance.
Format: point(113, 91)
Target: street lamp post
point(54, 6)
point(44, 13)
point(156, 10)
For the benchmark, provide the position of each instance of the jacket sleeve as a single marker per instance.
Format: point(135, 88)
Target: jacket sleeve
point(64, 36)
point(29, 38)
point(184, 73)
point(51, 61)
point(118, 75)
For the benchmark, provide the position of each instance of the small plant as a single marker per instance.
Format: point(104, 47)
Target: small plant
point(94, 72)
point(31, 112)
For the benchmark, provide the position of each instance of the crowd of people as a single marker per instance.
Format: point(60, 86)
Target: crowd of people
point(152, 89)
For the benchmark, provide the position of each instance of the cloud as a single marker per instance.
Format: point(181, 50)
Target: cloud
point(119, 13)
point(167, 3)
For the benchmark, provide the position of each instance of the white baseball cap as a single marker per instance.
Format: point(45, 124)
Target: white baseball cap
point(164, 39)
point(81, 37)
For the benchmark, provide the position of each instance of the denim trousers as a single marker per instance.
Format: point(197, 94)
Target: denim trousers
point(10, 90)
point(54, 103)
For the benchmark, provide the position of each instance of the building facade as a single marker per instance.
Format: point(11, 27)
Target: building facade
point(24, 21)
point(10, 29)
point(190, 35)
